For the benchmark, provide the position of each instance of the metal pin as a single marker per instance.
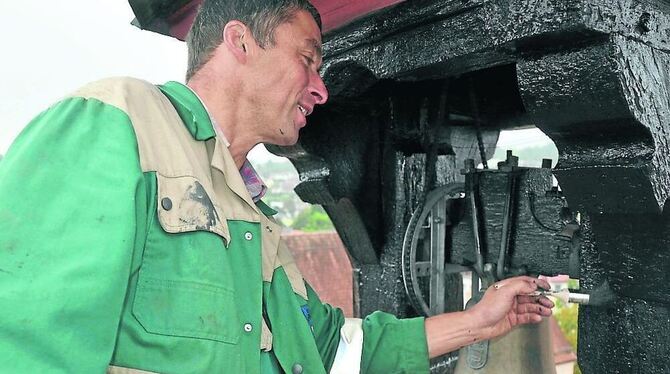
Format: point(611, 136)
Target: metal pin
point(565, 296)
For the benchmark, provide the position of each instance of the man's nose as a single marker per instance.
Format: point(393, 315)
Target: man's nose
point(318, 89)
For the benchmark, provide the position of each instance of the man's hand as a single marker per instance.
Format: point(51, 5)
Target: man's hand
point(504, 306)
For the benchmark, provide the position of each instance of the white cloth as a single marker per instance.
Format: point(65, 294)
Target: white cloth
point(350, 349)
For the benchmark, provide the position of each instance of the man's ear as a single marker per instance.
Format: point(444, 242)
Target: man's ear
point(235, 38)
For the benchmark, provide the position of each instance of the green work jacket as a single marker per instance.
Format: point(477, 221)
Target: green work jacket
point(130, 241)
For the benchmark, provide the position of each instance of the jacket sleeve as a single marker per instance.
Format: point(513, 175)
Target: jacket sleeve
point(71, 207)
point(390, 344)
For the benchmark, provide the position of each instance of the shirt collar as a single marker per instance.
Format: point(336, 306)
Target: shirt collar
point(201, 125)
point(253, 181)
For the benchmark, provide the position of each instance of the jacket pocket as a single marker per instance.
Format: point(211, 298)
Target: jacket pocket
point(186, 309)
point(185, 204)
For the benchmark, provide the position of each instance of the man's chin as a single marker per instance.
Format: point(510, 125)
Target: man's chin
point(291, 138)
point(286, 141)
point(290, 142)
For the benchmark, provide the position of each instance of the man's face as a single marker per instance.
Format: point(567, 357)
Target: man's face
point(286, 82)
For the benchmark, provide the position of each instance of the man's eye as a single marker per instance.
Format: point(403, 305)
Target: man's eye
point(309, 60)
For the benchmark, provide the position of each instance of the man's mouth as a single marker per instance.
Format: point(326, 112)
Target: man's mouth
point(303, 110)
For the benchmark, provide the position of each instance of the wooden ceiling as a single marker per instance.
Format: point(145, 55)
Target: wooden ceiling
point(334, 14)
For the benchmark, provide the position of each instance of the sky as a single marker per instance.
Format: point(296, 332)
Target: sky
point(51, 48)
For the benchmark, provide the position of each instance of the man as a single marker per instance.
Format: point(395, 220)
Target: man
point(135, 238)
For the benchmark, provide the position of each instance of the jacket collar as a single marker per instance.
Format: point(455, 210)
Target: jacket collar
point(190, 109)
point(197, 120)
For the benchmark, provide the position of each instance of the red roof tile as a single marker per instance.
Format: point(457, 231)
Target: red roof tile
point(325, 265)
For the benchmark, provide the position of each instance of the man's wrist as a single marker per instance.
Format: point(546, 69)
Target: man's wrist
point(477, 325)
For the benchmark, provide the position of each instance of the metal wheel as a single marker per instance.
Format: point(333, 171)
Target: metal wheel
point(424, 250)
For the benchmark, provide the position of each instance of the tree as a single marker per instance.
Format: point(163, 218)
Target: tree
point(312, 218)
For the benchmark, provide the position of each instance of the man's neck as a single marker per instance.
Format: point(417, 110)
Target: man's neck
point(225, 111)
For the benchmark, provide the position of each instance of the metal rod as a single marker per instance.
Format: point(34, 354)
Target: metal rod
point(566, 296)
point(438, 229)
point(507, 224)
point(472, 194)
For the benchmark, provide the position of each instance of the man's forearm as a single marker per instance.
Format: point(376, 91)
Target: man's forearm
point(451, 331)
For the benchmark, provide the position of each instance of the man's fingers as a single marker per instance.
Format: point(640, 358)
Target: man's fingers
point(527, 318)
point(521, 285)
point(517, 286)
point(543, 284)
point(534, 282)
point(527, 299)
point(546, 302)
point(542, 300)
point(538, 309)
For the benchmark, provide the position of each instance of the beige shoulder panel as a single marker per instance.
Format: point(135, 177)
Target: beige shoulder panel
point(158, 127)
point(166, 146)
point(286, 261)
point(121, 370)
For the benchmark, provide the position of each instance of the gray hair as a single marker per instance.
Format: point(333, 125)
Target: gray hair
point(262, 17)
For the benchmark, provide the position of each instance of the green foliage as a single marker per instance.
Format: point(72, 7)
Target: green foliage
point(566, 316)
point(313, 218)
point(573, 284)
